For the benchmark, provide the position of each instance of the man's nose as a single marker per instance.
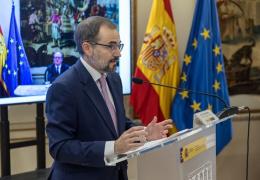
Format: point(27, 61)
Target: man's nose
point(117, 52)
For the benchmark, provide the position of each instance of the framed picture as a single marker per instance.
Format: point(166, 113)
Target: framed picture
point(48, 26)
point(240, 31)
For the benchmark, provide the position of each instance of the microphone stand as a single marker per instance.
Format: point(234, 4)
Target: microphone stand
point(192, 91)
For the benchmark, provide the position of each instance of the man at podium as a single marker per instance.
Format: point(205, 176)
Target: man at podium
point(87, 125)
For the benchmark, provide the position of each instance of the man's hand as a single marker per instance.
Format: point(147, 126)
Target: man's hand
point(130, 139)
point(158, 130)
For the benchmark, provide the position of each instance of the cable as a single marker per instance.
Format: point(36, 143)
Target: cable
point(248, 141)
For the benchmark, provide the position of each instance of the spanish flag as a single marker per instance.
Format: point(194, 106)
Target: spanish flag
point(157, 63)
point(3, 53)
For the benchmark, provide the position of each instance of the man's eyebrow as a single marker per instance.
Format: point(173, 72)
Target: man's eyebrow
point(114, 42)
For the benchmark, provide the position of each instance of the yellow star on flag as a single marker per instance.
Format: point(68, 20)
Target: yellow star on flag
point(195, 43)
point(216, 85)
point(184, 94)
point(216, 50)
point(219, 67)
point(205, 34)
point(195, 106)
point(187, 59)
point(184, 77)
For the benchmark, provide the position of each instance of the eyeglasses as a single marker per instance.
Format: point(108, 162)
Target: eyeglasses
point(57, 57)
point(113, 47)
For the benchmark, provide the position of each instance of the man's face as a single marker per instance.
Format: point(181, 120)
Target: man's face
point(101, 57)
point(57, 58)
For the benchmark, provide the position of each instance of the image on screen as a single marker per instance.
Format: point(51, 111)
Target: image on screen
point(47, 26)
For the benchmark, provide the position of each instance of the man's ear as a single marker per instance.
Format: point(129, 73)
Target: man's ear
point(87, 48)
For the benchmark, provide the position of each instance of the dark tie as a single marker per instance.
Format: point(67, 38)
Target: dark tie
point(57, 70)
point(111, 108)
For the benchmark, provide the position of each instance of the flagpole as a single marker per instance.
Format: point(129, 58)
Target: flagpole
point(13, 5)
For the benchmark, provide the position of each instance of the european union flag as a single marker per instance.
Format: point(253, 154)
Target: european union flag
point(16, 70)
point(203, 70)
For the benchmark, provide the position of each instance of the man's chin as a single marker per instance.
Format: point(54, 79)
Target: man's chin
point(110, 69)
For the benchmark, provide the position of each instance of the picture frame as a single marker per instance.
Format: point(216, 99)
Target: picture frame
point(240, 31)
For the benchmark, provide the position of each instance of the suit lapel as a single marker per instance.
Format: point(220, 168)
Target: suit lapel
point(91, 90)
point(54, 70)
point(62, 68)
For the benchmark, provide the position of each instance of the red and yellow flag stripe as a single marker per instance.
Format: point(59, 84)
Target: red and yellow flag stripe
point(3, 54)
point(157, 63)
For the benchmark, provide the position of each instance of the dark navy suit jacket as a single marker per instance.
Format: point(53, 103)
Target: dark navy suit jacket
point(79, 124)
point(52, 73)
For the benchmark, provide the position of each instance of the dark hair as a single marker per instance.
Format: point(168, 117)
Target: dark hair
point(88, 30)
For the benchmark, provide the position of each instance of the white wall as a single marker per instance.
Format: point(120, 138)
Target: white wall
point(5, 15)
point(183, 12)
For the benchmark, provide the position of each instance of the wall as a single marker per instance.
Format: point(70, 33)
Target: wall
point(230, 162)
point(22, 127)
point(5, 14)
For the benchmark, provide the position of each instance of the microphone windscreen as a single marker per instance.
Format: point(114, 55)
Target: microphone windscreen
point(229, 111)
point(137, 80)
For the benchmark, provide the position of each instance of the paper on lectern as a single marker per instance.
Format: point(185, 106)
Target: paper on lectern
point(147, 145)
point(159, 142)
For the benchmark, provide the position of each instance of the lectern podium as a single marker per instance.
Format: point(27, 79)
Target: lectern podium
point(187, 155)
point(191, 157)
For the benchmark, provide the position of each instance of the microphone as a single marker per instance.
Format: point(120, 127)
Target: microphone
point(228, 111)
point(141, 81)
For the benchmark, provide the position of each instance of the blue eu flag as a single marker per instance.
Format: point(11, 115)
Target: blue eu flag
point(203, 70)
point(16, 70)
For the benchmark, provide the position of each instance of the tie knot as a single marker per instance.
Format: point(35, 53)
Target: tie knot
point(102, 79)
point(103, 82)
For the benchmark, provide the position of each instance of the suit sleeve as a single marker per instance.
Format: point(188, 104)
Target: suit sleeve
point(64, 146)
